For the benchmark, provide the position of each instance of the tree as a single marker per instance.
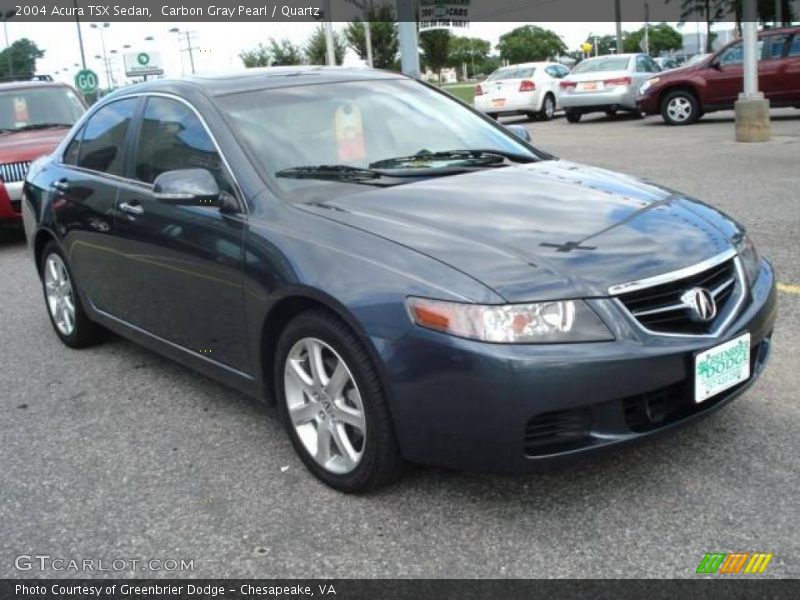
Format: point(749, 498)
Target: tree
point(383, 35)
point(316, 48)
point(435, 44)
point(710, 11)
point(474, 52)
point(530, 43)
point(603, 44)
point(24, 54)
point(662, 38)
point(285, 53)
point(257, 57)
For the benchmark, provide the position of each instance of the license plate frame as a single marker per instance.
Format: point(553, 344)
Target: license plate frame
point(721, 367)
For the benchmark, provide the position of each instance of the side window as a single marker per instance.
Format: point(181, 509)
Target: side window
point(794, 47)
point(71, 152)
point(171, 138)
point(641, 65)
point(652, 65)
point(772, 46)
point(732, 56)
point(101, 145)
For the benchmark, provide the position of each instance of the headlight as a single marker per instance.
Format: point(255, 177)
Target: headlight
point(751, 261)
point(542, 322)
point(648, 84)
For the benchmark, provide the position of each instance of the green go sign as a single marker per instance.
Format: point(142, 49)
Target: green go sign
point(86, 81)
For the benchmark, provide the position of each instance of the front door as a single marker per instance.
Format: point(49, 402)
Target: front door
point(180, 266)
point(726, 80)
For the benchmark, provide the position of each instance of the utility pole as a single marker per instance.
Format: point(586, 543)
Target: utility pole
point(80, 36)
point(330, 50)
point(618, 18)
point(778, 13)
point(752, 108)
point(190, 49)
point(407, 34)
point(368, 32)
point(647, 28)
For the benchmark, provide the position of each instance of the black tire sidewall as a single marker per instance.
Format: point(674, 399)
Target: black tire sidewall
point(543, 114)
point(573, 117)
point(331, 330)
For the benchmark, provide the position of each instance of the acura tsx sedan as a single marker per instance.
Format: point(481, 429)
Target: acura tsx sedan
point(405, 278)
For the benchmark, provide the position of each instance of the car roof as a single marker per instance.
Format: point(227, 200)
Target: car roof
point(15, 85)
point(259, 79)
point(529, 64)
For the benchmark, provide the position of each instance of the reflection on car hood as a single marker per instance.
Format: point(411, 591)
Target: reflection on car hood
point(16, 146)
point(546, 230)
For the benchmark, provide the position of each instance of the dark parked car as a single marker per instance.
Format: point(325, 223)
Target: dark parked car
point(406, 278)
point(683, 95)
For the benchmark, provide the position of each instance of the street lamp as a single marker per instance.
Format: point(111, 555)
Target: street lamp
point(6, 16)
point(189, 46)
point(103, 43)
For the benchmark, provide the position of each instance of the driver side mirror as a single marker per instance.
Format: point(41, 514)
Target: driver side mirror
point(520, 131)
point(188, 187)
point(716, 64)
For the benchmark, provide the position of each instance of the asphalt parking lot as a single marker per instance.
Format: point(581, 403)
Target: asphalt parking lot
point(114, 452)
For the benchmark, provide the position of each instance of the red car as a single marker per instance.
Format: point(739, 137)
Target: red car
point(34, 116)
point(682, 96)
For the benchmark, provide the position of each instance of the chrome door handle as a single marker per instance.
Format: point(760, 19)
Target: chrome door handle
point(134, 209)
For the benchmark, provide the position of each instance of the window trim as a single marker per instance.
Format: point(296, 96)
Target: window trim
point(142, 96)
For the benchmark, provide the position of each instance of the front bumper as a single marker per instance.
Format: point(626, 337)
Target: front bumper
point(492, 407)
point(10, 200)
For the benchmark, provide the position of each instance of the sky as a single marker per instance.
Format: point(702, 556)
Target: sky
point(218, 44)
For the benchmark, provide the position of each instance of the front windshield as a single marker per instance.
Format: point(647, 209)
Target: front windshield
point(34, 107)
point(604, 63)
point(357, 124)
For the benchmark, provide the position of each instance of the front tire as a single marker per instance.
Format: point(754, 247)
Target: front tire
point(333, 405)
point(680, 108)
point(63, 302)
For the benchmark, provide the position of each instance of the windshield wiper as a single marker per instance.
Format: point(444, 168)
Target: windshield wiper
point(337, 172)
point(488, 157)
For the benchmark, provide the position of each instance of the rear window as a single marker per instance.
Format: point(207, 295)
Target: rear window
point(512, 73)
point(604, 63)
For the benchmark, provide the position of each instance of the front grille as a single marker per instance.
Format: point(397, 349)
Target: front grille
point(660, 309)
point(557, 431)
point(15, 171)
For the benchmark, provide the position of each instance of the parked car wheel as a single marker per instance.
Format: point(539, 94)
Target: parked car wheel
point(548, 110)
point(333, 405)
point(680, 108)
point(64, 307)
point(494, 116)
point(572, 116)
point(611, 113)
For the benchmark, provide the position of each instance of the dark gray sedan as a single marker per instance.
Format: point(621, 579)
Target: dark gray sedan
point(407, 279)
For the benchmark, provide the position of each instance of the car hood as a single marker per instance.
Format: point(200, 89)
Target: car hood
point(547, 230)
point(29, 145)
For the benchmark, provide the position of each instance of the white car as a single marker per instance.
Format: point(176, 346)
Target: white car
point(526, 89)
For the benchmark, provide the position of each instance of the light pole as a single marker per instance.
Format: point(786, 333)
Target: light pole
point(189, 47)
point(6, 16)
point(103, 43)
point(752, 108)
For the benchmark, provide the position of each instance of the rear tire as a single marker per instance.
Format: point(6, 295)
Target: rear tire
point(611, 113)
point(572, 116)
point(343, 432)
point(63, 302)
point(680, 107)
point(548, 110)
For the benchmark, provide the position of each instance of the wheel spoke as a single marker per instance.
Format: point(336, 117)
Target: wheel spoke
point(343, 445)
point(67, 315)
point(350, 416)
point(51, 264)
point(316, 364)
point(303, 413)
point(323, 454)
point(338, 380)
point(296, 372)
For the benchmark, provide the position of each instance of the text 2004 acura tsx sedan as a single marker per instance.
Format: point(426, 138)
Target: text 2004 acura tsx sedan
point(409, 280)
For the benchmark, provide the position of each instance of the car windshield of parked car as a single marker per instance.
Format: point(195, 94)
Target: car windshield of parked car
point(603, 63)
point(38, 108)
point(512, 73)
point(328, 134)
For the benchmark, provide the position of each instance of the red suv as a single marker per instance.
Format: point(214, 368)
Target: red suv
point(34, 116)
point(683, 95)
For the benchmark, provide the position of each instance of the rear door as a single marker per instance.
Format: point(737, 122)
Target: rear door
point(180, 267)
point(772, 79)
point(791, 71)
point(84, 189)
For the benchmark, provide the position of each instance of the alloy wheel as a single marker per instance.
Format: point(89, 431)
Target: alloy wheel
point(60, 299)
point(324, 405)
point(679, 109)
point(549, 107)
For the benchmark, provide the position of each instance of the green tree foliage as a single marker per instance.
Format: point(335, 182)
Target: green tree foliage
point(530, 43)
point(605, 44)
point(256, 57)
point(316, 48)
point(383, 34)
point(285, 53)
point(435, 46)
point(663, 38)
point(709, 11)
point(474, 52)
point(24, 54)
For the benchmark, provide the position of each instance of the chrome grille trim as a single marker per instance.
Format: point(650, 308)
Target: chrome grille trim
point(14, 171)
point(640, 284)
point(739, 295)
point(680, 305)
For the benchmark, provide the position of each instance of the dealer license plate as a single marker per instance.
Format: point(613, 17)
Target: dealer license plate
point(499, 102)
point(589, 86)
point(721, 368)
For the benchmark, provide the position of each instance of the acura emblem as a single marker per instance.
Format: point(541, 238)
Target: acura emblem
point(701, 303)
